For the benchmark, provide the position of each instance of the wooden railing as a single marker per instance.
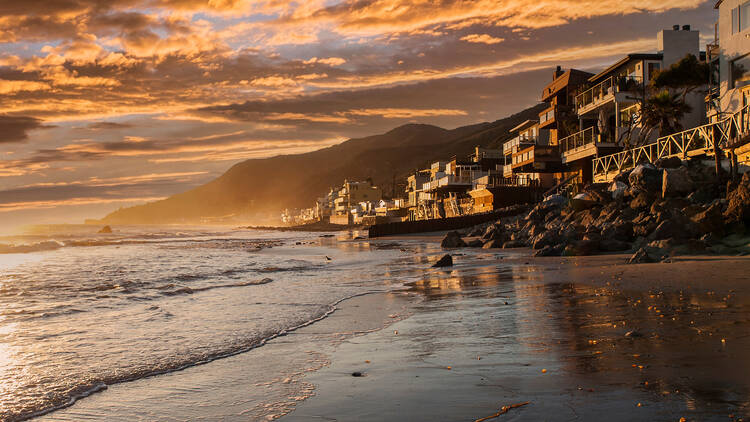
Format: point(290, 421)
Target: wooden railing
point(609, 86)
point(698, 140)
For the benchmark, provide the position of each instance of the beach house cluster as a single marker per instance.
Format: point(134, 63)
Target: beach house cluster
point(591, 129)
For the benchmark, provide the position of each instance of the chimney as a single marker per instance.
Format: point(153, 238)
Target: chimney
point(558, 73)
point(686, 27)
point(675, 27)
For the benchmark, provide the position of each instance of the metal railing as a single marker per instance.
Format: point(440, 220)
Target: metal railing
point(509, 146)
point(605, 88)
point(579, 139)
point(698, 140)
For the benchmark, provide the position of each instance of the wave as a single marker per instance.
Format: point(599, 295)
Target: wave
point(97, 385)
point(190, 290)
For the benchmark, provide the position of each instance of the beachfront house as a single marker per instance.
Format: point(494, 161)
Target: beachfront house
point(530, 160)
point(729, 56)
point(606, 110)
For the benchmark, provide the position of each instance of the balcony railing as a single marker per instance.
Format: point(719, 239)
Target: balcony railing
point(509, 146)
point(579, 139)
point(606, 88)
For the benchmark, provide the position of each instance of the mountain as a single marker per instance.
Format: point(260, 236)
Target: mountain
point(259, 188)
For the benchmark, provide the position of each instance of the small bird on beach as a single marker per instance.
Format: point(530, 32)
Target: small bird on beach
point(328, 258)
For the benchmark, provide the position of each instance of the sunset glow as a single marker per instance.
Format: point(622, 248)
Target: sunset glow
point(158, 96)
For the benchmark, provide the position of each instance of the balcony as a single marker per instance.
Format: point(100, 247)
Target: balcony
point(537, 159)
point(605, 92)
point(582, 144)
point(518, 142)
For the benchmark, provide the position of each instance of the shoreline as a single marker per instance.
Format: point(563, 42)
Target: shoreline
point(463, 376)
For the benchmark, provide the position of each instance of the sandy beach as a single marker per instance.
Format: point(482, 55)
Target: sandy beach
point(583, 338)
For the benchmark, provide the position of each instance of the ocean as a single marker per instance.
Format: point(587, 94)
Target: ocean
point(81, 311)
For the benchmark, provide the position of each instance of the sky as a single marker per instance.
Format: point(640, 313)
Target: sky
point(111, 103)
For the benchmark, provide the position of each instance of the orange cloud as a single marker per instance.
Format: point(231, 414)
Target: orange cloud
point(482, 39)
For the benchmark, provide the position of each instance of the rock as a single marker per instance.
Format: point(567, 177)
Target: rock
point(709, 221)
point(676, 182)
point(582, 248)
point(647, 254)
point(613, 245)
point(583, 201)
point(445, 261)
point(555, 200)
point(665, 230)
point(453, 240)
point(669, 163)
point(738, 209)
point(645, 177)
point(493, 244)
point(551, 250)
point(618, 189)
point(643, 200)
point(547, 238)
point(357, 374)
point(514, 244)
point(105, 230)
point(475, 243)
point(477, 232)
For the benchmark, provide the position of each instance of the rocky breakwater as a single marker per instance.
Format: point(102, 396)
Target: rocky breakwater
point(653, 212)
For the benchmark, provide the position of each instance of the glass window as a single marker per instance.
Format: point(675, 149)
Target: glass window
point(740, 71)
point(744, 16)
point(735, 20)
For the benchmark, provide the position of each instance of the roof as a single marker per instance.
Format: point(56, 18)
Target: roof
point(624, 60)
point(570, 77)
point(524, 125)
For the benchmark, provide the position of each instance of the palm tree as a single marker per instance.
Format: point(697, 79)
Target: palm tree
point(664, 111)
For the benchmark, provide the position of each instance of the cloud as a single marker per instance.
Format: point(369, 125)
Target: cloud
point(108, 125)
point(482, 39)
point(17, 128)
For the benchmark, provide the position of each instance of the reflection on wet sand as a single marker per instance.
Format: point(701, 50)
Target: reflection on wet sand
point(686, 349)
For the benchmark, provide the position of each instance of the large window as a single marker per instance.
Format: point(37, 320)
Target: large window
point(740, 71)
point(741, 17)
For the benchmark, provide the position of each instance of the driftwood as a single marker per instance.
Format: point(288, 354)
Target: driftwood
point(503, 410)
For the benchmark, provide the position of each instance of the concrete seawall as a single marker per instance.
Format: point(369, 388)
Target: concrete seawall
point(442, 224)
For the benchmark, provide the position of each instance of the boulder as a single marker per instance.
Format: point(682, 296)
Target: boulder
point(475, 243)
point(583, 201)
point(493, 244)
point(645, 177)
point(669, 163)
point(618, 189)
point(492, 232)
point(105, 230)
point(582, 248)
point(709, 221)
point(453, 240)
point(738, 208)
point(556, 250)
point(613, 245)
point(513, 244)
point(555, 200)
point(646, 255)
point(445, 261)
point(642, 200)
point(665, 230)
point(547, 238)
point(676, 182)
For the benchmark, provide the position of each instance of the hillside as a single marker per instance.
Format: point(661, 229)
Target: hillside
point(258, 188)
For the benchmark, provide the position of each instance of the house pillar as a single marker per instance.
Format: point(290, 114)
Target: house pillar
point(617, 122)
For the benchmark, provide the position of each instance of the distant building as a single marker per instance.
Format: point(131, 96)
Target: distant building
point(352, 193)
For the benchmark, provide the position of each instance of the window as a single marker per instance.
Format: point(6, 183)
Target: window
point(740, 71)
point(653, 67)
point(741, 18)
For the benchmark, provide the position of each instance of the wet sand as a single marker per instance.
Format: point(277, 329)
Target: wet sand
point(586, 339)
